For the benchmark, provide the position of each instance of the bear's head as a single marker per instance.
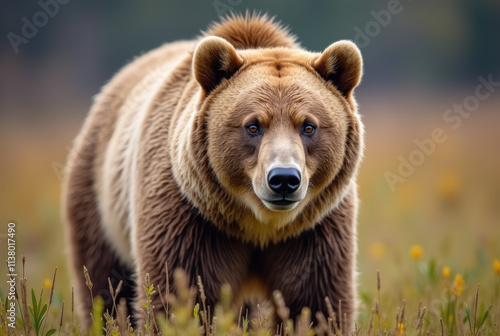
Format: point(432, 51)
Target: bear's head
point(282, 133)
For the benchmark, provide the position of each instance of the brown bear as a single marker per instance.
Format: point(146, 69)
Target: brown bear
point(234, 157)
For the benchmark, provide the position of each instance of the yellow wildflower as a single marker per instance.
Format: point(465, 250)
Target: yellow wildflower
point(47, 283)
point(458, 285)
point(446, 272)
point(416, 252)
point(449, 185)
point(401, 329)
point(496, 267)
point(377, 250)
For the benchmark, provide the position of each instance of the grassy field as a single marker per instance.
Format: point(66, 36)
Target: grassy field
point(433, 239)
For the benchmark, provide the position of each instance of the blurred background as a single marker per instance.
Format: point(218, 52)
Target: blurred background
point(422, 58)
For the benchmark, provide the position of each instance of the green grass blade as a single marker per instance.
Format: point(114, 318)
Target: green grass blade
point(485, 316)
point(467, 311)
point(50, 332)
point(42, 313)
point(40, 304)
point(33, 301)
point(432, 269)
point(20, 322)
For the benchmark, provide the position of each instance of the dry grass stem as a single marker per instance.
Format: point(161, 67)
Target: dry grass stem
point(421, 320)
point(475, 307)
point(370, 324)
point(203, 298)
point(121, 316)
point(62, 318)
point(24, 305)
point(282, 311)
point(89, 284)
point(72, 306)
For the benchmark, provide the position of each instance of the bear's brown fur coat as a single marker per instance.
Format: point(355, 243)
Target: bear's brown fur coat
point(164, 170)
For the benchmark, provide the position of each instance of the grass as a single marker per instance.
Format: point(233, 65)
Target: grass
point(443, 304)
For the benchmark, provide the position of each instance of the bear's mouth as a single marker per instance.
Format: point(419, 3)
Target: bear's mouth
point(282, 202)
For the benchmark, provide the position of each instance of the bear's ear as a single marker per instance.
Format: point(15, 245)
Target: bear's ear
point(214, 59)
point(342, 65)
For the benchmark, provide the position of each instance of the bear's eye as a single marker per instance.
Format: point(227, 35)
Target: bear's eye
point(308, 129)
point(253, 129)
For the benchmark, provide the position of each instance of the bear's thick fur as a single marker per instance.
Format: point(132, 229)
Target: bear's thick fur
point(174, 163)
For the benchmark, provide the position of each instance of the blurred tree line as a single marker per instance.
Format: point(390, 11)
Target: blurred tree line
point(432, 45)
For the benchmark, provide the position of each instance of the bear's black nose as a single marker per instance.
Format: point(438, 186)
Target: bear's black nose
point(284, 180)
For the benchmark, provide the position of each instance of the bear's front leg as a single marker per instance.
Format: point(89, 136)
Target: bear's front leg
point(319, 263)
point(180, 237)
